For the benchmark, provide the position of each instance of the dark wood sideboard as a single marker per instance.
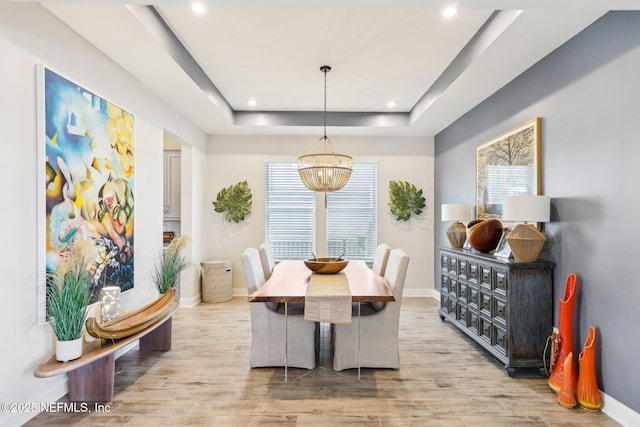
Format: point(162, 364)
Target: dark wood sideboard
point(506, 307)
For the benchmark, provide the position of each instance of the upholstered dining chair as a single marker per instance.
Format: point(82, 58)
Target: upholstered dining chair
point(378, 329)
point(267, 259)
point(268, 326)
point(380, 258)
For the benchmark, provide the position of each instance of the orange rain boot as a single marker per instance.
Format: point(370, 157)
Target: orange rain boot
point(587, 393)
point(566, 396)
point(565, 331)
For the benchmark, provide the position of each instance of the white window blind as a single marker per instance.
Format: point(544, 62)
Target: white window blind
point(352, 215)
point(290, 220)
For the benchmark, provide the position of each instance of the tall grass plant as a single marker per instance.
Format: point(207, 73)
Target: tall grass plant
point(68, 293)
point(170, 265)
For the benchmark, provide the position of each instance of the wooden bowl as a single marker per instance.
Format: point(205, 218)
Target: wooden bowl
point(325, 265)
point(485, 235)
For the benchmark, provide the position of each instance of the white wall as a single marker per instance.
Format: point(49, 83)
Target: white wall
point(234, 159)
point(29, 35)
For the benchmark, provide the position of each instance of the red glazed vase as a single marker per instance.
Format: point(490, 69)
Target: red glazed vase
point(587, 393)
point(566, 396)
point(566, 339)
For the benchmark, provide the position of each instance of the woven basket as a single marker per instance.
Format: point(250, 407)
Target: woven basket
point(216, 280)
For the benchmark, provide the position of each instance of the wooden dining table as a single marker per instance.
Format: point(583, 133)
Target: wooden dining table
point(290, 279)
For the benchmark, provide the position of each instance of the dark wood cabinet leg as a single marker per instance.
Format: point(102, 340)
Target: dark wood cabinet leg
point(159, 339)
point(93, 382)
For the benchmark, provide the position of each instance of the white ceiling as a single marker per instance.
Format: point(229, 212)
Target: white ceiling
point(401, 50)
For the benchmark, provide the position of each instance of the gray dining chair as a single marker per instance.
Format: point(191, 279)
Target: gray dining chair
point(379, 266)
point(380, 258)
point(378, 329)
point(268, 326)
point(267, 259)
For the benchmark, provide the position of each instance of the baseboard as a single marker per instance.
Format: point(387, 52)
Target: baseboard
point(418, 293)
point(239, 292)
point(190, 302)
point(619, 412)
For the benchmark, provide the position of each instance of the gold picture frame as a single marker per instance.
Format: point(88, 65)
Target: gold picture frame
point(507, 165)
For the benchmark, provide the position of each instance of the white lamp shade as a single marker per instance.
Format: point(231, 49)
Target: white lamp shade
point(526, 208)
point(456, 212)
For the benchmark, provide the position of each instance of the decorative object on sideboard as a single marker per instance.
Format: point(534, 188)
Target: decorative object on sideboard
point(235, 201)
point(457, 232)
point(326, 171)
point(170, 264)
point(405, 199)
point(507, 164)
point(565, 330)
point(525, 240)
point(109, 303)
point(68, 296)
point(503, 250)
point(587, 393)
point(484, 235)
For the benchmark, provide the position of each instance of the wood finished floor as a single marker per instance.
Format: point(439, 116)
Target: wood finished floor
point(445, 379)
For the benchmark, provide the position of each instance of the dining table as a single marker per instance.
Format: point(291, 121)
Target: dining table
point(291, 281)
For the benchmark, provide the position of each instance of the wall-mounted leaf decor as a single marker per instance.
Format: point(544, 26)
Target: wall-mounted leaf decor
point(235, 201)
point(405, 199)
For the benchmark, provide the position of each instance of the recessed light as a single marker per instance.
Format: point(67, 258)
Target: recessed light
point(449, 11)
point(392, 104)
point(197, 8)
point(251, 102)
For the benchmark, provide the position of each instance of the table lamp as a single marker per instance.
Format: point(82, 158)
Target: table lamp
point(525, 240)
point(457, 232)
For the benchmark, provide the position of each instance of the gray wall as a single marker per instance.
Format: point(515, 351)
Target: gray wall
point(587, 93)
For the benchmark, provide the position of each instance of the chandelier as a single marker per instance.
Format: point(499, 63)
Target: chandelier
point(326, 171)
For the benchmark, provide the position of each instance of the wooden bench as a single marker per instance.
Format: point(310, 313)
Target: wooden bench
point(91, 377)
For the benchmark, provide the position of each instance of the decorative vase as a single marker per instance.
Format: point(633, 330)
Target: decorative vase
point(566, 396)
point(565, 316)
point(484, 235)
point(587, 393)
point(68, 350)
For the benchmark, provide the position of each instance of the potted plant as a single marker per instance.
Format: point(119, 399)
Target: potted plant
point(171, 263)
point(68, 293)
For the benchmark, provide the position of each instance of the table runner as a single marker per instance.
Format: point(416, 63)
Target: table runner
point(328, 299)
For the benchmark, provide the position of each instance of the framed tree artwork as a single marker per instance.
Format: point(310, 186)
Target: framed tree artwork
point(507, 165)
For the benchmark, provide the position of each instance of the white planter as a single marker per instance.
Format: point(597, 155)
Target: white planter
point(68, 350)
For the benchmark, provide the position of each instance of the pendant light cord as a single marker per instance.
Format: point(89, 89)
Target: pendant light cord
point(325, 71)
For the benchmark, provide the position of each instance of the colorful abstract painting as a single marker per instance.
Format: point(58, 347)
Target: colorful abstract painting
point(88, 178)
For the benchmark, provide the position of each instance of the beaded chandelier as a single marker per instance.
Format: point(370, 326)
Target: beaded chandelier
point(326, 171)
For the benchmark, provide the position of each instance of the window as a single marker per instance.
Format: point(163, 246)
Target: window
point(352, 215)
point(290, 219)
point(290, 214)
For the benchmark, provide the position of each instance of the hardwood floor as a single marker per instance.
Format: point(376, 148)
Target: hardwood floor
point(445, 380)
